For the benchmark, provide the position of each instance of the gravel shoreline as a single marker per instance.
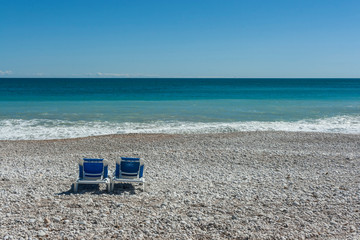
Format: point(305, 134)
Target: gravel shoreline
point(246, 185)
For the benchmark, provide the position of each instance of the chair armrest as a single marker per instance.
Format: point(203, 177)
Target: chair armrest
point(105, 171)
point(81, 171)
point(141, 173)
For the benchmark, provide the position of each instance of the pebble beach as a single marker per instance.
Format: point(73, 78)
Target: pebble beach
point(244, 185)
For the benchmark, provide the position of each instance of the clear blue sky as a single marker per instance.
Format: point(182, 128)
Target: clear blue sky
point(180, 38)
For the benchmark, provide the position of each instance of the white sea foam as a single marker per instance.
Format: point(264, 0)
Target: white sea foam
point(15, 129)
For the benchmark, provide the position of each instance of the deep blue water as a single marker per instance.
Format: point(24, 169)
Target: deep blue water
point(95, 89)
point(56, 108)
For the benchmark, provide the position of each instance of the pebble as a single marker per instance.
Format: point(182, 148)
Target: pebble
point(56, 219)
point(41, 233)
point(206, 186)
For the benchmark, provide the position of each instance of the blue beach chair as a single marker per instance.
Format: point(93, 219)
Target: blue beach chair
point(128, 170)
point(93, 171)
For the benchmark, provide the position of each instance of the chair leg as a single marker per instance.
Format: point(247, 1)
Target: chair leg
point(75, 187)
point(108, 187)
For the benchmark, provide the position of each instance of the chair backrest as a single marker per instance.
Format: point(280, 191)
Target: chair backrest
point(93, 168)
point(129, 168)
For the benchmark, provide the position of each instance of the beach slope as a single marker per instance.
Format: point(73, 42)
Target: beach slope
point(247, 185)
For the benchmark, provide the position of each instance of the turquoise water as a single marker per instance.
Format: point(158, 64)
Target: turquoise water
point(95, 89)
point(61, 108)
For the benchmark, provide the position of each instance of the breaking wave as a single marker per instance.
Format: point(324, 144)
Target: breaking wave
point(37, 129)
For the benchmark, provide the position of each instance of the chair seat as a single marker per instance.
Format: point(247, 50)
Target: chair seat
point(89, 181)
point(93, 171)
point(128, 170)
point(134, 180)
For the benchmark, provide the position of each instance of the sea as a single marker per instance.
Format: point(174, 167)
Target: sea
point(58, 108)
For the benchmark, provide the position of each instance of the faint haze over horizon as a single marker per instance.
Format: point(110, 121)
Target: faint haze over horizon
point(180, 39)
